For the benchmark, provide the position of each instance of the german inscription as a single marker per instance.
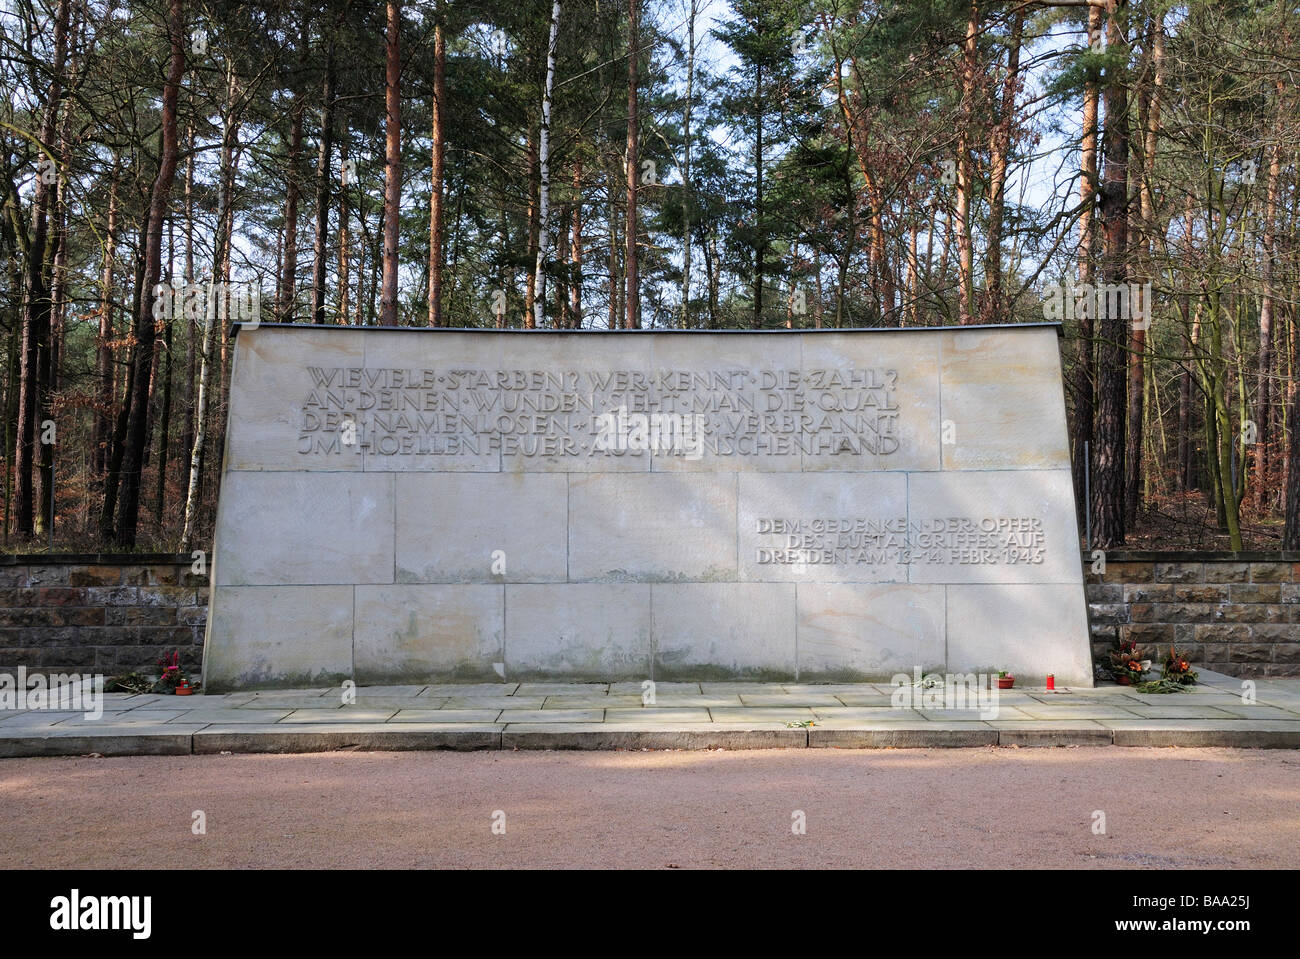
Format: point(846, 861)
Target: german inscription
point(571, 413)
point(960, 540)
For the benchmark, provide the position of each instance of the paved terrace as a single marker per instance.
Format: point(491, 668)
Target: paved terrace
point(684, 716)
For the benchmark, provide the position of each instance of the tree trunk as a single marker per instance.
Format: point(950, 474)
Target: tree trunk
point(436, 228)
point(289, 256)
point(1108, 474)
point(633, 318)
point(1082, 379)
point(544, 176)
point(999, 148)
point(965, 170)
point(760, 246)
point(684, 320)
point(575, 251)
point(392, 159)
point(34, 350)
point(323, 187)
point(137, 435)
point(187, 439)
point(103, 435)
point(1263, 415)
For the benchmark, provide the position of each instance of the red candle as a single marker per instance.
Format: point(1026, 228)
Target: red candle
point(1051, 681)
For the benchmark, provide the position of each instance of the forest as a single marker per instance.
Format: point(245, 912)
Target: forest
point(1128, 168)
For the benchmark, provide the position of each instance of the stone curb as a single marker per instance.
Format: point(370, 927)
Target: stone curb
point(412, 736)
point(315, 739)
point(113, 744)
point(1055, 737)
point(911, 736)
point(656, 739)
point(1239, 738)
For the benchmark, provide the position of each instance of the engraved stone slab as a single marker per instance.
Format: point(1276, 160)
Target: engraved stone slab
point(481, 527)
point(423, 506)
point(578, 632)
point(724, 630)
point(853, 632)
point(280, 528)
point(1028, 630)
point(297, 636)
point(1003, 397)
point(407, 631)
point(652, 527)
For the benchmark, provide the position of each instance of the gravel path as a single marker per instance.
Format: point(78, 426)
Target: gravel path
point(1199, 808)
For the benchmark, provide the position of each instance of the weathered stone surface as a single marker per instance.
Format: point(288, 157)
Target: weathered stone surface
point(578, 631)
point(278, 738)
point(409, 632)
point(517, 524)
point(278, 636)
point(266, 404)
point(1027, 630)
point(912, 365)
point(1002, 398)
point(1227, 572)
point(652, 527)
point(929, 735)
point(1270, 573)
point(848, 631)
point(719, 630)
point(1179, 572)
point(276, 528)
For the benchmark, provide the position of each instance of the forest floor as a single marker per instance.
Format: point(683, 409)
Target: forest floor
point(1186, 521)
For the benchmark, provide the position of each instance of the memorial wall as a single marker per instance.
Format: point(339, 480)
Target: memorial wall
point(416, 505)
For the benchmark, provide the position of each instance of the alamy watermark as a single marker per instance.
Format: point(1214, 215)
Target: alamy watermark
point(75, 692)
point(241, 302)
point(674, 433)
point(1124, 301)
point(945, 691)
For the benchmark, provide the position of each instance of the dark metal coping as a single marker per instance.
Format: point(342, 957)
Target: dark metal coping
point(235, 328)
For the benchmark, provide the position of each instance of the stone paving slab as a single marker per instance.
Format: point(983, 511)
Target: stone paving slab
point(1259, 711)
point(1178, 710)
point(469, 689)
point(660, 688)
point(699, 702)
point(684, 716)
point(870, 714)
point(1078, 711)
point(491, 702)
point(864, 699)
point(787, 699)
point(591, 702)
point(342, 714)
point(139, 717)
point(208, 715)
point(446, 716)
point(1062, 734)
point(653, 714)
point(761, 714)
point(552, 715)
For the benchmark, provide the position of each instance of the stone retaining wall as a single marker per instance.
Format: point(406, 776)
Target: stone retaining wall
point(101, 614)
point(1237, 613)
